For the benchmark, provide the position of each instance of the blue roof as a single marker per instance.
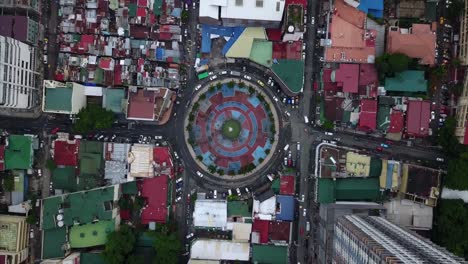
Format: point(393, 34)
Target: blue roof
point(159, 53)
point(286, 208)
point(207, 30)
point(372, 7)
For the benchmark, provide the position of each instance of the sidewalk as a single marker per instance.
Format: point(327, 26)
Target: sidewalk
point(21, 113)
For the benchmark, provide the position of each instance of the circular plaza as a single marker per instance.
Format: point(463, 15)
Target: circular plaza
point(231, 128)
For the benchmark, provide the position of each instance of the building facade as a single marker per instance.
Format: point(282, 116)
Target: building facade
point(14, 240)
point(19, 76)
point(462, 111)
point(463, 53)
point(372, 239)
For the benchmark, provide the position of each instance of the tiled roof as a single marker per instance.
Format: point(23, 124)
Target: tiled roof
point(141, 105)
point(420, 43)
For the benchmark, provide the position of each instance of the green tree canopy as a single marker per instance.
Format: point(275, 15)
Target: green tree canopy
point(456, 173)
point(9, 182)
point(167, 246)
point(447, 139)
point(389, 64)
point(119, 245)
point(93, 117)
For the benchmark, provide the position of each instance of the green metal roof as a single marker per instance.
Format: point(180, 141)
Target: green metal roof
point(50, 207)
point(64, 178)
point(291, 72)
point(383, 117)
point(348, 189)
point(58, 99)
point(157, 7)
point(91, 258)
point(431, 11)
point(262, 52)
point(132, 8)
point(407, 81)
point(129, 188)
point(275, 185)
point(91, 163)
point(91, 234)
point(238, 208)
point(113, 99)
point(19, 153)
point(54, 239)
point(269, 254)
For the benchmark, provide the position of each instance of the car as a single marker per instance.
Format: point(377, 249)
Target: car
point(229, 192)
point(54, 131)
point(178, 199)
point(113, 137)
point(440, 159)
point(303, 46)
point(189, 236)
point(379, 149)
point(270, 177)
point(238, 192)
point(312, 21)
point(100, 137)
point(383, 145)
point(31, 233)
point(293, 101)
point(185, 33)
point(107, 138)
point(194, 5)
point(328, 133)
point(261, 83)
point(337, 139)
point(200, 174)
point(179, 180)
point(210, 73)
point(432, 115)
point(223, 73)
point(213, 77)
point(304, 212)
point(289, 100)
point(247, 77)
point(45, 59)
point(287, 113)
point(284, 100)
point(39, 172)
point(247, 190)
point(306, 120)
point(443, 115)
point(298, 146)
point(275, 98)
point(303, 198)
point(176, 155)
point(215, 194)
point(285, 162)
point(158, 137)
point(198, 87)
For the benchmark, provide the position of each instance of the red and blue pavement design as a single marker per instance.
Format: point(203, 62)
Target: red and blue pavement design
point(254, 140)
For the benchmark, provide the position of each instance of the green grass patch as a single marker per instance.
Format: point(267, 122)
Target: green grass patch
point(231, 129)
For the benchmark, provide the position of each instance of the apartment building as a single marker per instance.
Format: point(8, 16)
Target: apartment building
point(14, 239)
point(19, 76)
point(373, 239)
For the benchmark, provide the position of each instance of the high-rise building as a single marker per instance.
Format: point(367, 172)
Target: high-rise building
point(462, 106)
point(14, 240)
point(373, 239)
point(19, 76)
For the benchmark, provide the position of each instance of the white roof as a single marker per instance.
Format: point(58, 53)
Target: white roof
point(409, 214)
point(248, 9)
point(210, 249)
point(241, 232)
point(197, 261)
point(210, 213)
point(267, 207)
point(140, 159)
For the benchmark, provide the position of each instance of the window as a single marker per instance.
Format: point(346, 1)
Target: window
point(278, 6)
point(259, 3)
point(239, 2)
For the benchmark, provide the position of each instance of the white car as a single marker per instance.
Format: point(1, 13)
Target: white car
point(303, 199)
point(270, 177)
point(178, 199)
point(179, 180)
point(312, 21)
point(328, 133)
point(215, 194)
point(31, 233)
point(39, 172)
point(189, 236)
point(198, 87)
point(238, 192)
point(247, 190)
point(175, 155)
point(287, 113)
point(213, 77)
point(210, 73)
point(275, 98)
point(432, 115)
point(440, 159)
point(194, 5)
point(157, 137)
point(229, 192)
point(304, 213)
point(247, 77)
point(200, 174)
point(223, 72)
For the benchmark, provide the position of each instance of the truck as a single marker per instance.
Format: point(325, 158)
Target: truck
point(201, 68)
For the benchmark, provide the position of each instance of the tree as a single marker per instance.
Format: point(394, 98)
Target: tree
point(189, 127)
point(135, 259)
point(93, 117)
point(251, 90)
point(167, 246)
point(184, 16)
point(211, 89)
point(219, 85)
point(9, 182)
point(447, 139)
point(231, 84)
point(389, 64)
point(203, 96)
point(241, 84)
point(456, 173)
point(31, 219)
point(119, 245)
point(328, 125)
point(50, 164)
point(220, 171)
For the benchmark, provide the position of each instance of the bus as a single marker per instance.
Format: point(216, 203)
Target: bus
point(202, 76)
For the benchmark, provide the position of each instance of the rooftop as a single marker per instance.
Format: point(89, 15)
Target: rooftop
point(397, 122)
point(421, 184)
point(262, 52)
point(64, 178)
point(114, 100)
point(368, 114)
point(19, 152)
point(279, 231)
point(269, 254)
point(291, 73)
point(285, 207)
point(141, 105)
point(347, 76)
point(10, 231)
point(418, 117)
point(58, 99)
point(91, 164)
point(219, 250)
point(416, 42)
point(260, 227)
point(91, 234)
point(210, 213)
point(140, 160)
point(66, 152)
point(115, 155)
point(154, 190)
point(238, 208)
point(407, 81)
point(242, 48)
point(55, 239)
point(287, 185)
point(372, 7)
point(348, 189)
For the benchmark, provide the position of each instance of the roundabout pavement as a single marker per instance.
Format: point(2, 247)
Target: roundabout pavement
point(233, 134)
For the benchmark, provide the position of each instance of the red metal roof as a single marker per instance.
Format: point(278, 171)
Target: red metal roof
point(105, 63)
point(274, 34)
point(141, 12)
point(3, 259)
point(418, 116)
point(279, 231)
point(161, 155)
point(141, 105)
point(396, 122)
point(155, 191)
point(297, 2)
point(287, 185)
point(368, 115)
point(348, 76)
point(65, 154)
point(143, 3)
point(261, 227)
point(333, 109)
point(367, 74)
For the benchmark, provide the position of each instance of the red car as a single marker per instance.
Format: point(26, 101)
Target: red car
point(379, 149)
point(54, 131)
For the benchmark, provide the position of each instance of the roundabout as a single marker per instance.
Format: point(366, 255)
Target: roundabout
point(231, 128)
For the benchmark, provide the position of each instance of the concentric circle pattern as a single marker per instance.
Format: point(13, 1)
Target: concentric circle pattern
point(217, 145)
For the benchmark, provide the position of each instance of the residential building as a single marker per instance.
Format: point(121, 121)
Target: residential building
point(273, 254)
point(21, 28)
point(19, 154)
point(150, 104)
point(462, 106)
point(373, 239)
point(19, 76)
point(350, 40)
point(14, 239)
point(78, 220)
point(210, 213)
point(259, 13)
point(463, 48)
point(406, 82)
point(30, 5)
point(418, 42)
point(219, 250)
point(63, 98)
point(420, 184)
point(329, 214)
point(418, 118)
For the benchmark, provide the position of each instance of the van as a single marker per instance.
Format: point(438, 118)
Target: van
point(306, 119)
point(286, 147)
point(298, 146)
point(235, 73)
